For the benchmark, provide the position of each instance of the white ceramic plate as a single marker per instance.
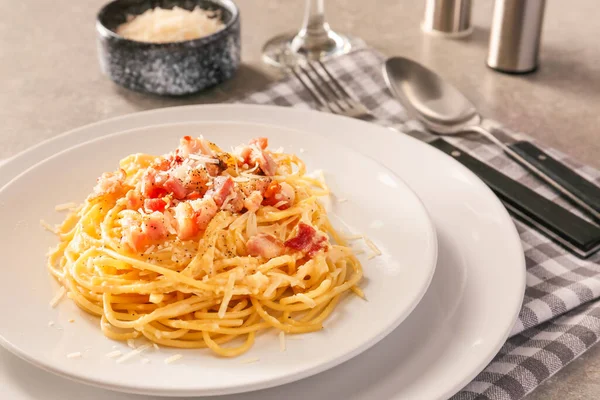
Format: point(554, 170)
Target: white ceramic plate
point(379, 206)
point(456, 329)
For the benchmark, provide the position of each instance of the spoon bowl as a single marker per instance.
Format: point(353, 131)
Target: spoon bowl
point(440, 106)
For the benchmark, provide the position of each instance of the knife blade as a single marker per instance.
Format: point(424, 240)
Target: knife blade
point(574, 233)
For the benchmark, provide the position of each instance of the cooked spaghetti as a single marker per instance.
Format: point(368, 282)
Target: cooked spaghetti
point(200, 246)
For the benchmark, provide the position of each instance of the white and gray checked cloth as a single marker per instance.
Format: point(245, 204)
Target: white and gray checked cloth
point(560, 317)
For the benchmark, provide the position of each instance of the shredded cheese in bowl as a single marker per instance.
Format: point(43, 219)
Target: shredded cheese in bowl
point(160, 25)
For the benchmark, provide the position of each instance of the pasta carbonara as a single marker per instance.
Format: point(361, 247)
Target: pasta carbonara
point(201, 246)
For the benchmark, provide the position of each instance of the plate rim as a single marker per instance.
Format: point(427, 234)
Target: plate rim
point(11, 167)
point(266, 382)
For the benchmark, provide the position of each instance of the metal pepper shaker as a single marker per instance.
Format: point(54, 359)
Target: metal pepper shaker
point(515, 35)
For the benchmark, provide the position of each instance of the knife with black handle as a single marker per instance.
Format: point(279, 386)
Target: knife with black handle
point(567, 182)
point(562, 226)
point(572, 181)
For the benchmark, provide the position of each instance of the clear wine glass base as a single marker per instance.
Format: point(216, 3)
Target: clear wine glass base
point(287, 49)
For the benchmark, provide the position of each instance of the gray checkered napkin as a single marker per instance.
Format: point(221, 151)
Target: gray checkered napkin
point(552, 330)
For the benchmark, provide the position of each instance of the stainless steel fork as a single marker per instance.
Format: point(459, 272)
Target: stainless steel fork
point(328, 92)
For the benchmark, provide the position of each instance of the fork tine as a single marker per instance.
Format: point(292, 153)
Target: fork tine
point(315, 95)
point(321, 93)
point(335, 81)
point(324, 80)
point(354, 107)
point(328, 92)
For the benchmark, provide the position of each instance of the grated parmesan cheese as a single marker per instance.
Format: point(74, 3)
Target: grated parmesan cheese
point(173, 358)
point(204, 159)
point(342, 200)
point(155, 346)
point(113, 354)
point(58, 296)
point(280, 203)
point(50, 324)
point(163, 25)
point(76, 354)
point(131, 343)
point(228, 293)
point(47, 226)
point(373, 247)
point(282, 341)
point(272, 287)
point(65, 206)
point(250, 360)
point(354, 237)
point(251, 225)
point(156, 298)
point(133, 353)
point(145, 361)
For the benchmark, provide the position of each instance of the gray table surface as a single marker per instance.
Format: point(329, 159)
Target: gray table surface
point(50, 83)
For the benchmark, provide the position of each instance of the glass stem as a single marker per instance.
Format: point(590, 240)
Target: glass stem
point(314, 36)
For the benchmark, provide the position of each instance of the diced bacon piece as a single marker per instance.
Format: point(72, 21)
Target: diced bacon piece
point(264, 245)
point(193, 196)
point(286, 194)
point(280, 194)
point(156, 192)
point(222, 187)
point(150, 188)
point(255, 185)
point(161, 164)
point(270, 193)
point(134, 200)
point(139, 237)
point(175, 159)
point(185, 216)
point(197, 180)
point(154, 226)
point(174, 185)
point(135, 239)
point(253, 201)
point(205, 212)
point(255, 153)
point(214, 169)
point(132, 235)
point(151, 205)
point(110, 182)
point(189, 145)
point(245, 154)
point(265, 162)
point(234, 201)
point(192, 217)
point(260, 142)
point(308, 240)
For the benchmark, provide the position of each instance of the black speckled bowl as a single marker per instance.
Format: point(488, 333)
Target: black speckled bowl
point(176, 68)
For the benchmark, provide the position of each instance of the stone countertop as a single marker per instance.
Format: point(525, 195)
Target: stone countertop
point(51, 83)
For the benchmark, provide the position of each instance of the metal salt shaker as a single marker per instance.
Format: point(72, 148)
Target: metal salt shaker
point(447, 18)
point(515, 35)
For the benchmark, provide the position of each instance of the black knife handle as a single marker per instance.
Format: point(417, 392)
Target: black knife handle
point(580, 187)
point(576, 234)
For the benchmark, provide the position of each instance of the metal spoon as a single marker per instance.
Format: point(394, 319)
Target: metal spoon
point(446, 111)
